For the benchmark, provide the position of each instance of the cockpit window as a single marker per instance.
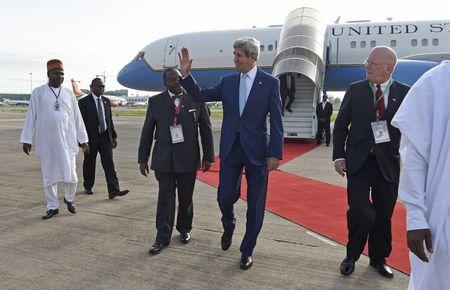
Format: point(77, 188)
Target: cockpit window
point(140, 55)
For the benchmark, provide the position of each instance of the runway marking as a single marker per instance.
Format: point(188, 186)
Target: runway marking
point(321, 238)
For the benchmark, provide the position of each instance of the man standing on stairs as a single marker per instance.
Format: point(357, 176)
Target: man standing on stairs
point(287, 90)
point(371, 160)
point(324, 110)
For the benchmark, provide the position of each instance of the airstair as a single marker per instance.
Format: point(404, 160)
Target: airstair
point(301, 52)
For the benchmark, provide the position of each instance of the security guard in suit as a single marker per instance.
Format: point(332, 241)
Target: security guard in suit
point(173, 119)
point(96, 112)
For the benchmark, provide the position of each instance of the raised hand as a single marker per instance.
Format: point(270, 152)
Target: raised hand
point(185, 62)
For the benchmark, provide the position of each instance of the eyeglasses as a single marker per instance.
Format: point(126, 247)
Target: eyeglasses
point(368, 63)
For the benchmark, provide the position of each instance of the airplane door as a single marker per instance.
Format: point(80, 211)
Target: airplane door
point(170, 54)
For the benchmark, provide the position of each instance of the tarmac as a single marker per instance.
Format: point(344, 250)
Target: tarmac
point(105, 244)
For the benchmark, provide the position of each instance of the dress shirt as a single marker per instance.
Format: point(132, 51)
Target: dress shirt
point(103, 107)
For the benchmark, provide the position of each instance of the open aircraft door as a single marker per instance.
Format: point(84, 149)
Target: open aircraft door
point(301, 52)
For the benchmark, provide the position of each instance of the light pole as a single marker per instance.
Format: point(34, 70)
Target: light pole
point(31, 82)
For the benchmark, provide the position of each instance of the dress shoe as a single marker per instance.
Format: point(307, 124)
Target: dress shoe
point(383, 269)
point(246, 262)
point(185, 237)
point(289, 110)
point(348, 266)
point(226, 240)
point(327, 145)
point(70, 206)
point(50, 213)
point(157, 247)
point(118, 193)
point(88, 191)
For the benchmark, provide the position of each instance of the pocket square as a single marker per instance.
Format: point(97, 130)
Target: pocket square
point(192, 110)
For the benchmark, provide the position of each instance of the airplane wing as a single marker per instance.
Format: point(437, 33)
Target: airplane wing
point(435, 57)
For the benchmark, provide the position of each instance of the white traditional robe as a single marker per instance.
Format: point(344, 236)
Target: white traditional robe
point(55, 133)
point(424, 120)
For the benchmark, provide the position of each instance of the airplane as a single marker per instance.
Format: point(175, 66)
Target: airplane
point(115, 101)
point(322, 57)
point(15, 102)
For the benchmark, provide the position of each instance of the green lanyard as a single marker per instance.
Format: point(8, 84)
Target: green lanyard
point(374, 92)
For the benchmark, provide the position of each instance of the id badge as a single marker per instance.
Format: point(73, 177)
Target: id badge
point(176, 132)
point(380, 132)
point(56, 106)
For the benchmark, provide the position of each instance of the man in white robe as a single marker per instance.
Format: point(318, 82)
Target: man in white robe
point(54, 125)
point(424, 121)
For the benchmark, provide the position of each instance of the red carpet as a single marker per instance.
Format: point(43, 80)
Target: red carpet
point(316, 205)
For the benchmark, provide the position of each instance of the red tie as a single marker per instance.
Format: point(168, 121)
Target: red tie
point(380, 102)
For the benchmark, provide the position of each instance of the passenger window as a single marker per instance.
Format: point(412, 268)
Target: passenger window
point(435, 41)
point(424, 42)
point(353, 44)
point(393, 43)
point(373, 43)
point(363, 44)
point(270, 47)
point(261, 47)
point(413, 42)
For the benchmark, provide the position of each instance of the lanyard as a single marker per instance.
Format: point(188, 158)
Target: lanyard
point(177, 109)
point(56, 95)
point(374, 92)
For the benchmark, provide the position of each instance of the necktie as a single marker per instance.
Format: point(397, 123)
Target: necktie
point(101, 118)
point(380, 102)
point(242, 93)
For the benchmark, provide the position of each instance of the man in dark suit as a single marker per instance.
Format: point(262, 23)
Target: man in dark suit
point(287, 90)
point(324, 110)
point(248, 97)
point(97, 117)
point(177, 118)
point(371, 161)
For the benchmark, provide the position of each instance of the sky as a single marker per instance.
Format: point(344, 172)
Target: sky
point(94, 37)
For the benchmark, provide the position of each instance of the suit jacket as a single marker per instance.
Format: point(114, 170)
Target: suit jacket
point(283, 85)
point(88, 110)
point(354, 144)
point(181, 157)
point(264, 99)
point(324, 113)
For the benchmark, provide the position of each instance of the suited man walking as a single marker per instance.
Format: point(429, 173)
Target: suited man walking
point(248, 97)
point(173, 121)
point(287, 90)
point(96, 112)
point(365, 146)
point(324, 110)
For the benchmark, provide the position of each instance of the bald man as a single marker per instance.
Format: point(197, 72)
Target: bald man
point(365, 148)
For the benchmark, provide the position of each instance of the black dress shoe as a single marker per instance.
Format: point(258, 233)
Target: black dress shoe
point(50, 213)
point(289, 110)
point(157, 247)
point(246, 262)
point(226, 240)
point(347, 266)
point(70, 206)
point(88, 191)
point(118, 193)
point(383, 269)
point(185, 237)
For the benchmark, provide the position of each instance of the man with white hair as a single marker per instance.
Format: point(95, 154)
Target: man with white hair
point(365, 147)
point(248, 97)
point(424, 121)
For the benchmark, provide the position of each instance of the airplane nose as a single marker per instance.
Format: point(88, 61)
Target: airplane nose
point(135, 75)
